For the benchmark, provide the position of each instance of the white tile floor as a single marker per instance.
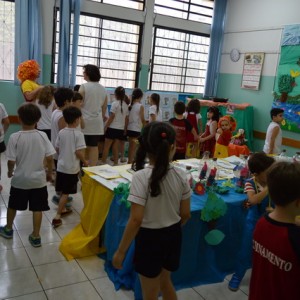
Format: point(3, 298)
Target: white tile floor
point(28, 273)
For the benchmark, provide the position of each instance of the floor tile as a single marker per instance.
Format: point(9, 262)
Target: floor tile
point(107, 291)
point(60, 274)
point(79, 291)
point(15, 242)
point(46, 254)
point(72, 218)
point(33, 296)
point(14, 259)
point(19, 282)
point(25, 222)
point(244, 287)
point(64, 229)
point(92, 266)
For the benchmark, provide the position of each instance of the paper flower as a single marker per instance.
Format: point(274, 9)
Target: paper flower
point(199, 188)
point(28, 70)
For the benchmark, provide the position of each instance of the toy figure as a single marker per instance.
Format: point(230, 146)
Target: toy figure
point(239, 138)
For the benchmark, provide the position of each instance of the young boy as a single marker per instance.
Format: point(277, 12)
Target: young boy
point(274, 134)
point(63, 97)
point(182, 126)
point(27, 150)
point(70, 147)
point(276, 239)
point(259, 203)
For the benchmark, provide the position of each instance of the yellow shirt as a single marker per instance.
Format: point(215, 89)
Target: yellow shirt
point(29, 86)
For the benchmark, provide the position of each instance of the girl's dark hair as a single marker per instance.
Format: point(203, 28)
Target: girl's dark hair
point(136, 94)
point(259, 162)
point(193, 106)
point(120, 95)
point(77, 96)
point(155, 141)
point(155, 99)
point(46, 95)
point(92, 72)
point(216, 113)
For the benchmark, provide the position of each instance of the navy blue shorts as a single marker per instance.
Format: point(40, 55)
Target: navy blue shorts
point(134, 134)
point(66, 183)
point(92, 140)
point(115, 134)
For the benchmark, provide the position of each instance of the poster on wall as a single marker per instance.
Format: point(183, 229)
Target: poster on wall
point(253, 63)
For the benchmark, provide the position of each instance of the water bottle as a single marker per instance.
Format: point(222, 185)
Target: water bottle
point(296, 157)
point(282, 155)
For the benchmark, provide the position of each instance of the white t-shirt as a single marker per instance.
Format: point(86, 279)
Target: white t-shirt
point(68, 141)
point(153, 111)
point(135, 123)
point(3, 115)
point(94, 95)
point(198, 116)
point(119, 119)
point(28, 149)
point(278, 140)
point(45, 120)
point(163, 210)
point(55, 117)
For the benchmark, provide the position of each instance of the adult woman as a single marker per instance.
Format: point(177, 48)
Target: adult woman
point(93, 110)
point(28, 73)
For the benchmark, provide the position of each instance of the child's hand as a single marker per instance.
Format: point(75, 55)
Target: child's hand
point(117, 260)
point(201, 140)
point(10, 174)
point(219, 131)
point(85, 163)
point(49, 176)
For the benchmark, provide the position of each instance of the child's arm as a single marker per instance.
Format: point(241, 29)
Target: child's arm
point(33, 94)
point(10, 168)
point(194, 133)
point(109, 121)
point(256, 198)
point(104, 108)
point(200, 126)
point(142, 115)
point(49, 162)
point(5, 124)
point(82, 124)
point(62, 123)
point(218, 133)
point(80, 155)
point(213, 130)
point(274, 134)
point(126, 124)
point(132, 228)
point(185, 210)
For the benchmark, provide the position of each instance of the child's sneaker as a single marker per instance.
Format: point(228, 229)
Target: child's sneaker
point(6, 233)
point(34, 241)
point(55, 200)
point(234, 283)
point(56, 223)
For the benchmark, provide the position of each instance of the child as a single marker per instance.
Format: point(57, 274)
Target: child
point(77, 101)
point(63, 97)
point(276, 238)
point(259, 202)
point(4, 124)
point(208, 137)
point(135, 122)
point(70, 147)
point(46, 104)
point(26, 150)
point(193, 116)
point(274, 134)
point(115, 125)
point(182, 127)
point(159, 187)
point(155, 113)
point(226, 126)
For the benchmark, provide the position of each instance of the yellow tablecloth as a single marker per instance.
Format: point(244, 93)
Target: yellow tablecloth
point(83, 240)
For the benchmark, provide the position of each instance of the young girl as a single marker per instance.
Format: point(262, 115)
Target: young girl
point(158, 187)
point(193, 116)
point(115, 125)
point(155, 113)
point(259, 203)
point(46, 104)
point(226, 126)
point(77, 101)
point(208, 137)
point(136, 121)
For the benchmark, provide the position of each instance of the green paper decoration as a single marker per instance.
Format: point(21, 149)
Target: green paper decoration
point(214, 208)
point(123, 190)
point(214, 237)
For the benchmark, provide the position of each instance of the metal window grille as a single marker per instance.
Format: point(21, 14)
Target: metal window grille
point(135, 4)
point(112, 45)
point(179, 61)
point(194, 10)
point(7, 39)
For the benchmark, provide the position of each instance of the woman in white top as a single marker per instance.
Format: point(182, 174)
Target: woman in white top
point(136, 121)
point(115, 125)
point(93, 110)
point(46, 105)
point(155, 113)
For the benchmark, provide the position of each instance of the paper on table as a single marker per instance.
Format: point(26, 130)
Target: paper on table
point(127, 175)
point(225, 164)
point(107, 171)
point(234, 160)
point(110, 184)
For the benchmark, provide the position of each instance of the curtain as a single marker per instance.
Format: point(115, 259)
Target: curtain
point(68, 42)
point(28, 33)
point(215, 50)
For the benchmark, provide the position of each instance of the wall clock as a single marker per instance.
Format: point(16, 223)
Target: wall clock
point(235, 55)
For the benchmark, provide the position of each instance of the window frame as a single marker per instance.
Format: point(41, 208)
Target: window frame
point(138, 1)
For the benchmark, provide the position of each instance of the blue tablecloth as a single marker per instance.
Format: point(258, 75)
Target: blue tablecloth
point(200, 262)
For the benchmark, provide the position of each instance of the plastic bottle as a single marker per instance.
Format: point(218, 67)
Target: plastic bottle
point(203, 171)
point(282, 155)
point(211, 178)
point(296, 157)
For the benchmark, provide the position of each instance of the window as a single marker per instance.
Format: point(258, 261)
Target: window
point(7, 39)
point(194, 10)
point(111, 45)
point(135, 4)
point(179, 61)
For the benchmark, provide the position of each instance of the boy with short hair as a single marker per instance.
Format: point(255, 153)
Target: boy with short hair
point(274, 134)
point(182, 126)
point(27, 150)
point(276, 238)
point(70, 147)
